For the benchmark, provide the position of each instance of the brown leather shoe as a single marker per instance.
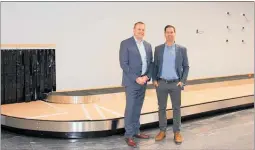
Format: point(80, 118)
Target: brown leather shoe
point(177, 137)
point(161, 135)
point(130, 142)
point(142, 136)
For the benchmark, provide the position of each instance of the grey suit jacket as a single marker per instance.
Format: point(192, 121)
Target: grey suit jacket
point(181, 62)
point(131, 62)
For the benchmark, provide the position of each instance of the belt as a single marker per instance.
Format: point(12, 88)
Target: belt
point(169, 81)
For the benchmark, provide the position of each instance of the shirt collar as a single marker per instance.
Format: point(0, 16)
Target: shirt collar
point(138, 42)
point(172, 46)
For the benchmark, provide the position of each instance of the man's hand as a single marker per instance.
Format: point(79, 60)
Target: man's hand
point(145, 78)
point(180, 84)
point(155, 83)
point(140, 80)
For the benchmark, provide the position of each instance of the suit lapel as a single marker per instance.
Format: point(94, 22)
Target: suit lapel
point(161, 54)
point(146, 47)
point(177, 56)
point(135, 45)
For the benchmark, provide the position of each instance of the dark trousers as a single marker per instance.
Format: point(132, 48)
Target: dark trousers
point(163, 90)
point(134, 102)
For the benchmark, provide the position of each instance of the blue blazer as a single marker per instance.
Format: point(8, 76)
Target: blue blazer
point(131, 62)
point(181, 62)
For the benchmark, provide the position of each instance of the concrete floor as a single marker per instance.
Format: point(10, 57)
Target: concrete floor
point(232, 131)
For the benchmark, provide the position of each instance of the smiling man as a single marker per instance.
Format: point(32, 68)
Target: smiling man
point(170, 73)
point(135, 58)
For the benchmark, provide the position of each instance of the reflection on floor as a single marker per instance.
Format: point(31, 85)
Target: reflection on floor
point(233, 131)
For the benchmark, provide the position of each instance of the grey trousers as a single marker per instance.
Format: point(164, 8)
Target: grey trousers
point(163, 90)
point(134, 102)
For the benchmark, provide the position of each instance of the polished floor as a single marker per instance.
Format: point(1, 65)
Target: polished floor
point(230, 131)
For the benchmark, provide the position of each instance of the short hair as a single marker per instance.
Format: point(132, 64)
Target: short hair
point(169, 26)
point(138, 23)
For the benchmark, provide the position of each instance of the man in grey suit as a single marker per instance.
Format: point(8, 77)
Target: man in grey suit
point(135, 58)
point(170, 73)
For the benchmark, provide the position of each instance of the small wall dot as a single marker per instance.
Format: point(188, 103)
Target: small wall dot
point(245, 17)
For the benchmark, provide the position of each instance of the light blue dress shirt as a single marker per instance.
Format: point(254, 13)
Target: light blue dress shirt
point(168, 68)
point(142, 51)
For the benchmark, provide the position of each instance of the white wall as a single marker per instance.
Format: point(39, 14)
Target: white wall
point(88, 34)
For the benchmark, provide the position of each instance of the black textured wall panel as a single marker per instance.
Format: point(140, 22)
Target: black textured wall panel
point(27, 74)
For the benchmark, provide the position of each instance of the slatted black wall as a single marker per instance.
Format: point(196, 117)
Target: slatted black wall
point(27, 74)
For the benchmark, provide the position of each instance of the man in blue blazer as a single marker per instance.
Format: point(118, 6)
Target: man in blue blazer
point(170, 72)
point(135, 58)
